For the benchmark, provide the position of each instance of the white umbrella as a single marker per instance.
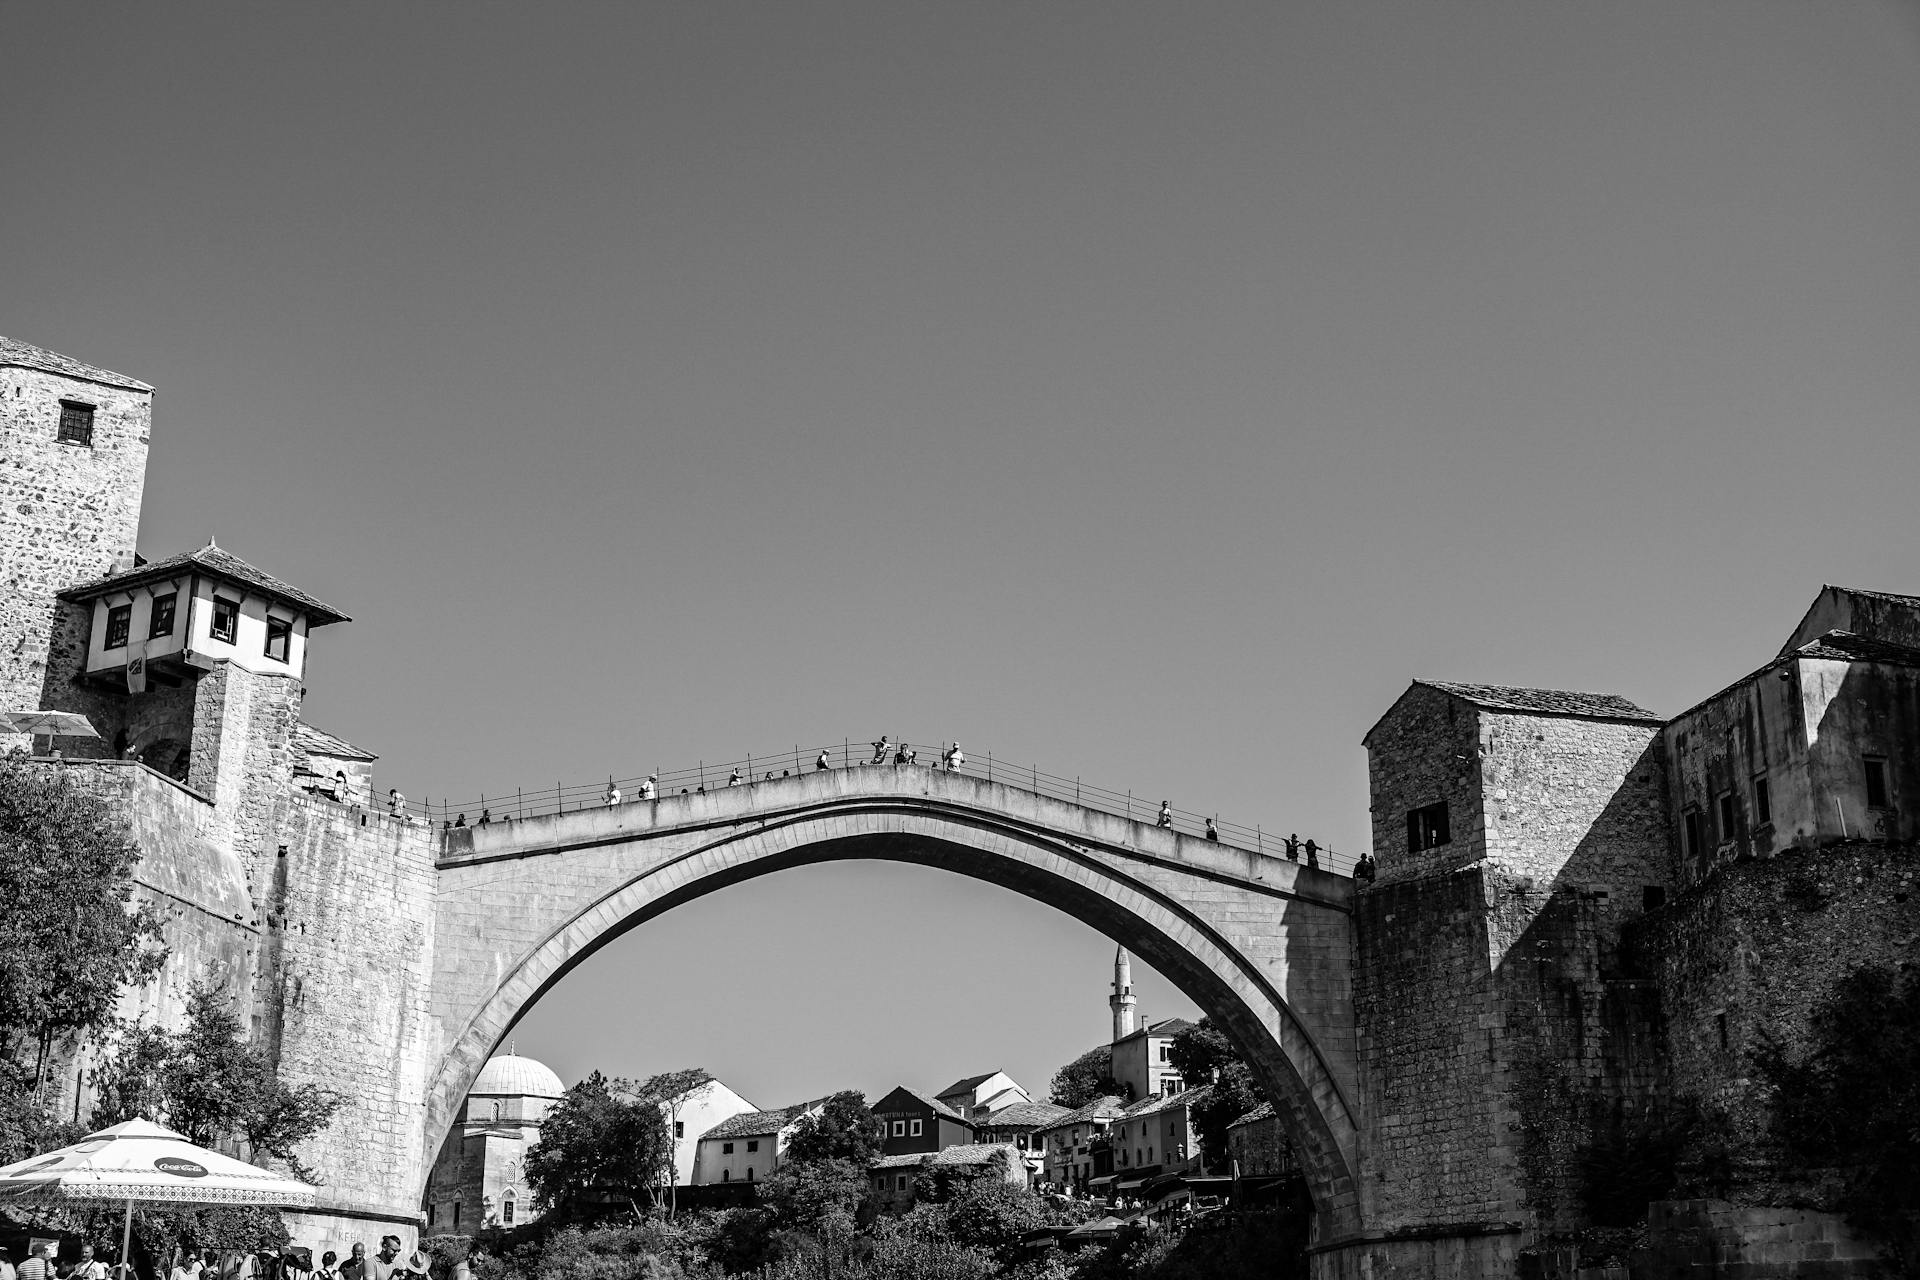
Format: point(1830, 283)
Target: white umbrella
point(139, 1160)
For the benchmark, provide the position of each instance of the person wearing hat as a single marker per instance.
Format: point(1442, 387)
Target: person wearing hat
point(418, 1264)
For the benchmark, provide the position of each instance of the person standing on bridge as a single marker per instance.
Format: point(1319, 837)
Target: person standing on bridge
point(733, 779)
point(1166, 814)
point(1293, 847)
point(647, 788)
point(821, 762)
point(880, 749)
point(613, 794)
point(1213, 832)
point(953, 758)
point(1313, 853)
point(1365, 870)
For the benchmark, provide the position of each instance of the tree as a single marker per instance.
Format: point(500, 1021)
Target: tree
point(75, 932)
point(1203, 1054)
point(598, 1143)
point(211, 1086)
point(669, 1091)
point(1087, 1077)
point(1852, 1103)
point(843, 1129)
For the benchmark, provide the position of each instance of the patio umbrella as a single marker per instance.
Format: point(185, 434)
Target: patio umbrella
point(141, 1161)
point(55, 724)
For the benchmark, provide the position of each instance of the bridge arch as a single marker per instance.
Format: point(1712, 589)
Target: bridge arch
point(1193, 923)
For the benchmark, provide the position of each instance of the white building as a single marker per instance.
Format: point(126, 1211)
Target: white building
point(698, 1111)
point(747, 1147)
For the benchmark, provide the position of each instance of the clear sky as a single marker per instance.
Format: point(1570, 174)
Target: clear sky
point(1144, 392)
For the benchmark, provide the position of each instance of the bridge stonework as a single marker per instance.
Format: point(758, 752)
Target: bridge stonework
point(1261, 943)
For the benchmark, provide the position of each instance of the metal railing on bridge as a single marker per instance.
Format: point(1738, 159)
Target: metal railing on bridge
point(756, 769)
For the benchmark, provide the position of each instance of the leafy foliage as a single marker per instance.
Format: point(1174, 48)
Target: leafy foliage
point(1852, 1103)
point(599, 1144)
point(843, 1129)
point(1086, 1078)
point(212, 1086)
point(75, 933)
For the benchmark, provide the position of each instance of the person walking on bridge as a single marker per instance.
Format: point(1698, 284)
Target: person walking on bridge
point(821, 761)
point(1166, 814)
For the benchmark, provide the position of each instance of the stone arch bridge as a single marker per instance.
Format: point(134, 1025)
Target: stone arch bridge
point(1260, 943)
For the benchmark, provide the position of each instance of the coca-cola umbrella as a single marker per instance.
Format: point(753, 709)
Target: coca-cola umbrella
point(139, 1161)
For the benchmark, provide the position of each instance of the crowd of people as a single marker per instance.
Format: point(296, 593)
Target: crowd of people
point(290, 1263)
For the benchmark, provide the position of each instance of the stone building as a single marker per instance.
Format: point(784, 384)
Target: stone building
point(1077, 1145)
point(480, 1179)
point(749, 1146)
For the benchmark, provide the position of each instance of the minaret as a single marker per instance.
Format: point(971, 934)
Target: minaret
point(1121, 1001)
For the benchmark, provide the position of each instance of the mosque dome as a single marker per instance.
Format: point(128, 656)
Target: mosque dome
point(513, 1076)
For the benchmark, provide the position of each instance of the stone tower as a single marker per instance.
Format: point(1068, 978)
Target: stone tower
point(73, 463)
point(1122, 1001)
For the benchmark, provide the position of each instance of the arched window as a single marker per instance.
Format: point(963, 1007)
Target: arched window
point(506, 1209)
point(749, 1173)
point(496, 1111)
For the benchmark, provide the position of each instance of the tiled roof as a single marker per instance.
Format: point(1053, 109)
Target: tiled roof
point(975, 1153)
point(1893, 596)
point(1023, 1114)
point(1849, 647)
point(319, 742)
point(1101, 1108)
point(214, 560)
point(1264, 1111)
point(1165, 1027)
point(939, 1108)
point(754, 1124)
point(968, 1085)
point(1185, 1098)
point(27, 356)
point(912, 1160)
point(1546, 702)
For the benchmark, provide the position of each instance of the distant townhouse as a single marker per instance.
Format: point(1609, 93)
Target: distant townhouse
point(747, 1147)
point(916, 1123)
point(1141, 1061)
point(895, 1179)
point(976, 1096)
point(1020, 1124)
point(1076, 1146)
point(1152, 1137)
point(693, 1115)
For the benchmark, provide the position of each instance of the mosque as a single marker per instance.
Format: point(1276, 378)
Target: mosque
point(479, 1179)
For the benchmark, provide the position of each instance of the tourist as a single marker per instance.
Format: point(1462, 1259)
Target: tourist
point(329, 1267)
point(88, 1268)
point(953, 758)
point(6, 1265)
point(821, 762)
point(901, 755)
point(1293, 847)
point(733, 779)
point(1213, 832)
point(486, 816)
point(419, 1263)
point(341, 791)
point(185, 1267)
point(35, 1267)
point(355, 1267)
point(460, 821)
point(613, 794)
point(387, 1261)
point(396, 804)
point(648, 787)
point(1166, 814)
point(1364, 870)
point(880, 750)
point(1313, 853)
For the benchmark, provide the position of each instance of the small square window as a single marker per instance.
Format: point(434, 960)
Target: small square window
point(76, 423)
point(901, 1185)
point(160, 622)
point(899, 1128)
point(279, 638)
point(1762, 802)
point(226, 619)
point(1877, 797)
point(679, 1128)
point(726, 1148)
point(753, 1144)
point(1728, 814)
point(119, 620)
point(1427, 827)
point(914, 1128)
